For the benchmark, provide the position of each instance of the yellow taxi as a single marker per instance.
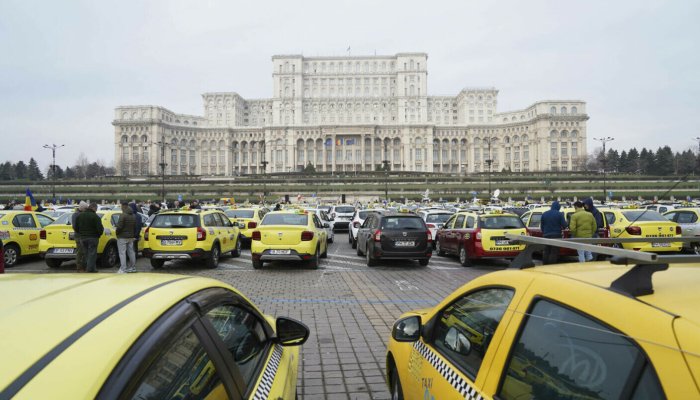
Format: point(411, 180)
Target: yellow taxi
point(58, 240)
point(567, 331)
point(638, 223)
point(169, 337)
point(471, 236)
point(21, 232)
point(688, 218)
point(289, 235)
point(190, 235)
point(247, 218)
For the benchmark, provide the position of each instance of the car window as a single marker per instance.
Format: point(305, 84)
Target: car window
point(610, 218)
point(115, 219)
point(473, 318)
point(459, 223)
point(524, 217)
point(43, 220)
point(183, 371)
point(671, 216)
point(223, 221)
point(501, 222)
point(317, 222)
point(24, 221)
point(403, 223)
point(64, 219)
point(174, 221)
point(687, 218)
point(534, 220)
point(345, 209)
point(240, 213)
point(285, 219)
point(470, 222)
point(642, 215)
point(562, 353)
point(437, 218)
point(662, 209)
point(243, 335)
point(211, 220)
point(450, 222)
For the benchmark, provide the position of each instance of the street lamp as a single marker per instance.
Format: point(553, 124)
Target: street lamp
point(263, 163)
point(604, 140)
point(53, 148)
point(162, 164)
point(386, 173)
point(488, 162)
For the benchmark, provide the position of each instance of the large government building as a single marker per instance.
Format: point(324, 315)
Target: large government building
point(351, 113)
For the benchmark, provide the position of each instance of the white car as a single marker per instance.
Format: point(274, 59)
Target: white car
point(341, 216)
point(357, 220)
point(323, 216)
point(435, 219)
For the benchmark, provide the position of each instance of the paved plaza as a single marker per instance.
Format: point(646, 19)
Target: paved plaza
point(349, 307)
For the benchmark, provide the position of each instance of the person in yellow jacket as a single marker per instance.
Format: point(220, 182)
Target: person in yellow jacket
point(582, 225)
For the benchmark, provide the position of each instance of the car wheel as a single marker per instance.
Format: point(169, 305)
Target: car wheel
point(695, 248)
point(438, 249)
point(325, 252)
point(110, 257)
point(313, 262)
point(53, 262)
point(423, 262)
point(396, 390)
point(354, 243)
point(237, 251)
point(11, 255)
point(330, 238)
point(358, 251)
point(213, 260)
point(371, 261)
point(350, 237)
point(257, 264)
point(464, 258)
point(157, 264)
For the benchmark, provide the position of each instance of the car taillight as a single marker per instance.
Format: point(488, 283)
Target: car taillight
point(252, 225)
point(145, 234)
point(201, 234)
point(477, 235)
point(306, 236)
point(431, 226)
point(678, 230)
point(42, 234)
point(377, 235)
point(256, 235)
point(634, 230)
point(356, 224)
point(430, 237)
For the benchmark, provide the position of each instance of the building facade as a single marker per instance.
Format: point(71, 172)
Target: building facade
point(354, 113)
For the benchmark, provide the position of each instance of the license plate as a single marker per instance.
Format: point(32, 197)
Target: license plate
point(278, 252)
point(63, 251)
point(502, 242)
point(170, 242)
point(661, 245)
point(404, 244)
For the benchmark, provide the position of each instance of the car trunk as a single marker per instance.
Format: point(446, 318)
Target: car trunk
point(175, 239)
point(410, 240)
point(281, 234)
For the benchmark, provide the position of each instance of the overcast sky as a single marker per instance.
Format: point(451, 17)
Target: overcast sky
point(65, 65)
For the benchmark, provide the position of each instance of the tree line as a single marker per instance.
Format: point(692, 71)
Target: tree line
point(662, 162)
point(82, 169)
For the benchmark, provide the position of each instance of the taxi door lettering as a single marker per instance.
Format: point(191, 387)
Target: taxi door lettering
point(427, 383)
point(427, 395)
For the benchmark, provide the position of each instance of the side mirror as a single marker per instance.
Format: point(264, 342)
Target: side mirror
point(326, 225)
point(241, 225)
point(457, 342)
point(406, 329)
point(291, 332)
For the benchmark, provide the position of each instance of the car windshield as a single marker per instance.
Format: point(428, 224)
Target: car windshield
point(644, 215)
point(501, 222)
point(345, 210)
point(174, 221)
point(64, 219)
point(364, 214)
point(439, 218)
point(285, 219)
point(403, 223)
point(240, 213)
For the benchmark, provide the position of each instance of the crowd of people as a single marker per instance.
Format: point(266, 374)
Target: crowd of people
point(585, 223)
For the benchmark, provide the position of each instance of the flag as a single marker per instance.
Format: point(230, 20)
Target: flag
point(350, 142)
point(328, 142)
point(29, 202)
point(338, 142)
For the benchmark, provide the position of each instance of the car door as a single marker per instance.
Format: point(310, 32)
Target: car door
point(364, 232)
point(321, 232)
point(688, 221)
point(533, 224)
point(229, 233)
point(27, 229)
point(445, 233)
point(456, 234)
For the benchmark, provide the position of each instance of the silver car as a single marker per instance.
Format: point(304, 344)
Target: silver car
point(689, 221)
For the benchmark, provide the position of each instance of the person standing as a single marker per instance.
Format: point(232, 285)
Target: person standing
point(89, 226)
point(582, 225)
point(79, 249)
point(126, 228)
point(552, 223)
point(597, 215)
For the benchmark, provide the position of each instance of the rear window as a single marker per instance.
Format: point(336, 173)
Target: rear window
point(240, 213)
point(345, 210)
point(500, 222)
point(285, 219)
point(645, 215)
point(64, 219)
point(364, 214)
point(174, 221)
point(403, 223)
point(439, 218)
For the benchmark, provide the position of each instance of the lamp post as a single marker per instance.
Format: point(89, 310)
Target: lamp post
point(162, 165)
point(488, 163)
point(53, 148)
point(604, 140)
point(386, 173)
point(263, 164)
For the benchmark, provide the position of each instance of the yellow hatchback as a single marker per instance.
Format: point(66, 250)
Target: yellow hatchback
point(631, 223)
point(247, 218)
point(289, 235)
point(21, 232)
point(139, 336)
point(570, 331)
point(190, 235)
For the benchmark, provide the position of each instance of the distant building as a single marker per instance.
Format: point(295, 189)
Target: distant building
point(351, 114)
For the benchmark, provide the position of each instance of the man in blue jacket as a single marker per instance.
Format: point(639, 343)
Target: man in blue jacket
point(552, 223)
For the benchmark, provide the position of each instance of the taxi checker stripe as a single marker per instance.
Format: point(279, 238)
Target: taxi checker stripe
point(13, 388)
point(457, 382)
point(268, 377)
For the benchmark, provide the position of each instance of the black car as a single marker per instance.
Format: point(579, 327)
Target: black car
point(394, 236)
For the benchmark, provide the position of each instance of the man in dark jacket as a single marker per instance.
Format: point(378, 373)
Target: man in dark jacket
point(89, 226)
point(79, 250)
point(126, 228)
point(588, 206)
point(552, 223)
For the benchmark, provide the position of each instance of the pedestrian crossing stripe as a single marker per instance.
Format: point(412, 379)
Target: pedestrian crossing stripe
point(268, 377)
point(451, 376)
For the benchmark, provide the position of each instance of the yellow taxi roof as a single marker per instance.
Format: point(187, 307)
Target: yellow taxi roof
point(41, 313)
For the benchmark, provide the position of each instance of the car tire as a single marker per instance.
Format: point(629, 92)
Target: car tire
point(237, 251)
point(371, 261)
point(350, 238)
point(53, 262)
point(464, 257)
point(313, 262)
point(438, 249)
point(354, 243)
point(257, 264)
point(157, 264)
point(11, 255)
point(358, 251)
point(110, 257)
point(325, 252)
point(213, 260)
point(695, 248)
point(396, 390)
point(423, 262)
point(330, 238)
